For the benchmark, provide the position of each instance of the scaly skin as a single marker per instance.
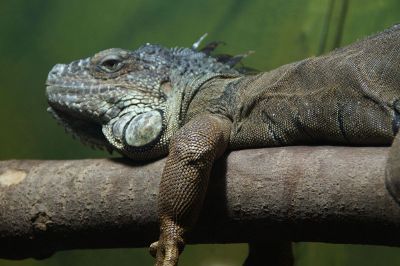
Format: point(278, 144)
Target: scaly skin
point(156, 101)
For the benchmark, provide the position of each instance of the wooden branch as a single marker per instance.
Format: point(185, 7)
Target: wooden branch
point(328, 194)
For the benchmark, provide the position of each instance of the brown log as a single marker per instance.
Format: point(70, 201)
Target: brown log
point(324, 194)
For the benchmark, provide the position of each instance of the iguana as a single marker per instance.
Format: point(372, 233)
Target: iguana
point(192, 107)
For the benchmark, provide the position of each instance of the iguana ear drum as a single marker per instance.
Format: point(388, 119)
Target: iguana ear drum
point(144, 129)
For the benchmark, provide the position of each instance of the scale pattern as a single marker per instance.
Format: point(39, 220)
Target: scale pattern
point(191, 106)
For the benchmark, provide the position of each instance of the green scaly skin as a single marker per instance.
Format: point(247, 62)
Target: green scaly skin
point(184, 103)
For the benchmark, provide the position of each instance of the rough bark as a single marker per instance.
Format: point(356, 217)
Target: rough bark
point(327, 194)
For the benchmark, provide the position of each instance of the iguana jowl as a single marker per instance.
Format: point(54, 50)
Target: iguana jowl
point(186, 104)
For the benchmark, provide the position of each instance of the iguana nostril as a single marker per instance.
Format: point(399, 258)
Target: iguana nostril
point(57, 69)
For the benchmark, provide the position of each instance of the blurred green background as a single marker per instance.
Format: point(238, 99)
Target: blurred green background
point(34, 35)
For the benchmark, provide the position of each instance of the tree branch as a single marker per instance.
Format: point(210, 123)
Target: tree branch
point(327, 194)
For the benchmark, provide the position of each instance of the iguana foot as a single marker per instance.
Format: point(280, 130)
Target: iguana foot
point(168, 248)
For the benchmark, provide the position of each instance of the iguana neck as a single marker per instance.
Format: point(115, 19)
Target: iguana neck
point(197, 94)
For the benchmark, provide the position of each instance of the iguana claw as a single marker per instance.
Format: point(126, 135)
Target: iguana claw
point(153, 249)
point(167, 250)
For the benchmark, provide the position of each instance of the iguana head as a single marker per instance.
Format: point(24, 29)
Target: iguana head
point(122, 100)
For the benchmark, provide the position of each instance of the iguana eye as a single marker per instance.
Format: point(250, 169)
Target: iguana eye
point(111, 64)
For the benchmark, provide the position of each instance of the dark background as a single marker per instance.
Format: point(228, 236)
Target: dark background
point(34, 35)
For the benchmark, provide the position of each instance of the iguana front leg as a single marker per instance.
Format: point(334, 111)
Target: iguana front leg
point(183, 186)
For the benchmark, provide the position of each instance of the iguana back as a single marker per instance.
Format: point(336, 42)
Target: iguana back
point(349, 96)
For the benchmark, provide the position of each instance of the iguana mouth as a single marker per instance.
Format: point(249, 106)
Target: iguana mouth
point(71, 113)
point(90, 101)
